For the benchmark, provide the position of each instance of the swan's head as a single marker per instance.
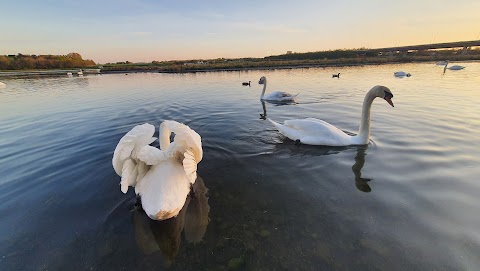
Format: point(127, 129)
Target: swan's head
point(383, 92)
point(262, 80)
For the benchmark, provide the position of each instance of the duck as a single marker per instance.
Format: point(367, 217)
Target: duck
point(246, 83)
point(313, 131)
point(3, 85)
point(276, 96)
point(336, 75)
point(401, 74)
point(453, 68)
point(162, 177)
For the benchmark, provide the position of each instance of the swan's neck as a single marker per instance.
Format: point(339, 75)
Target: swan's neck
point(364, 129)
point(264, 88)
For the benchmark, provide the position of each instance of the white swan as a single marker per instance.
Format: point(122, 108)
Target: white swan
point(318, 132)
point(453, 68)
point(2, 85)
point(161, 177)
point(276, 96)
point(401, 74)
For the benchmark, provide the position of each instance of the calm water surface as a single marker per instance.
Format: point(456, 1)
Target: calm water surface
point(407, 201)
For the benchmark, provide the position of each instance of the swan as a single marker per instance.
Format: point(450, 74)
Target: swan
point(401, 74)
point(318, 132)
point(453, 68)
point(162, 177)
point(80, 73)
point(165, 236)
point(3, 85)
point(276, 96)
point(336, 75)
point(246, 84)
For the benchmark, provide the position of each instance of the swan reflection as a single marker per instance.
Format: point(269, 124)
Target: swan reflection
point(164, 236)
point(360, 183)
point(293, 148)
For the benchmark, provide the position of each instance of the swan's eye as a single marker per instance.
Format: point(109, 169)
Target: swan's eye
point(388, 94)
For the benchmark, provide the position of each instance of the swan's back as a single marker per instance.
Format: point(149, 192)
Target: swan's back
point(313, 132)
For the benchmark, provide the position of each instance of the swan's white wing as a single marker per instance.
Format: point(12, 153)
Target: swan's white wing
point(279, 96)
point(133, 155)
point(140, 135)
point(313, 131)
point(186, 146)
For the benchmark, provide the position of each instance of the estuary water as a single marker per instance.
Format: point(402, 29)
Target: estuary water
point(409, 200)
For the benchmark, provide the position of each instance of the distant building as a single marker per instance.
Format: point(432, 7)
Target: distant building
point(289, 52)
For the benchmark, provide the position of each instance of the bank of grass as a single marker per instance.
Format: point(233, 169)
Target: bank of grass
point(246, 64)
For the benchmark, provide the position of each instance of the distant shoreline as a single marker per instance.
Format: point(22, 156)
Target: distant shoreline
point(208, 68)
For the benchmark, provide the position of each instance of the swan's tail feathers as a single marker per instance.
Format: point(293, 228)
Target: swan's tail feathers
point(139, 136)
point(190, 166)
point(276, 124)
point(129, 175)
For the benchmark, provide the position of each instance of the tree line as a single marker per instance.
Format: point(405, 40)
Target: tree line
point(26, 62)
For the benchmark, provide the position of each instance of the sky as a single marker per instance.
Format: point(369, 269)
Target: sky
point(148, 30)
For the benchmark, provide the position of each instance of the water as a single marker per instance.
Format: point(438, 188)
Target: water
point(407, 201)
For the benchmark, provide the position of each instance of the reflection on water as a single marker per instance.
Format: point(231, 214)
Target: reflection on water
point(152, 235)
point(360, 183)
point(274, 205)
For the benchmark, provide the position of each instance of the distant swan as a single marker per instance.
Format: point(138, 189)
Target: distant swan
point(2, 85)
point(246, 83)
point(161, 177)
point(318, 132)
point(276, 96)
point(336, 75)
point(453, 68)
point(401, 74)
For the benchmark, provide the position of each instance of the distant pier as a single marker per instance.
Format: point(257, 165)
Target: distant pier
point(465, 45)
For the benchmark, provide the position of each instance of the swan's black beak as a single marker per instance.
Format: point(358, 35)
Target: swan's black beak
point(389, 101)
point(388, 97)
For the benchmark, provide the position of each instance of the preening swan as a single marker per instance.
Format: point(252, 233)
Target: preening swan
point(401, 74)
point(318, 132)
point(453, 68)
point(276, 96)
point(161, 177)
point(2, 85)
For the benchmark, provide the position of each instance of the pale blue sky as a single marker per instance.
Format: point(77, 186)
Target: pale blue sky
point(146, 30)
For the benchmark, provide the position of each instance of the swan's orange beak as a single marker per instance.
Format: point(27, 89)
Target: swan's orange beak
point(389, 101)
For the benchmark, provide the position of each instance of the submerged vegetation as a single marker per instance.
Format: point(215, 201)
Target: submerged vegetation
point(28, 62)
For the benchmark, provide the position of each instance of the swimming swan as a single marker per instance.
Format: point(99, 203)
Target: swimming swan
point(318, 132)
point(2, 85)
point(161, 177)
point(276, 96)
point(401, 74)
point(453, 68)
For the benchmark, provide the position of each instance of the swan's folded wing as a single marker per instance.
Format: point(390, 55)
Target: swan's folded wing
point(151, 155)
point(129, 175)
point(140, 135)
point(190, 166)
point(185, 139)
point(312, 131)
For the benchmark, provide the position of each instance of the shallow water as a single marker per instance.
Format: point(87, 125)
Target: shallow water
point(407, 201)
